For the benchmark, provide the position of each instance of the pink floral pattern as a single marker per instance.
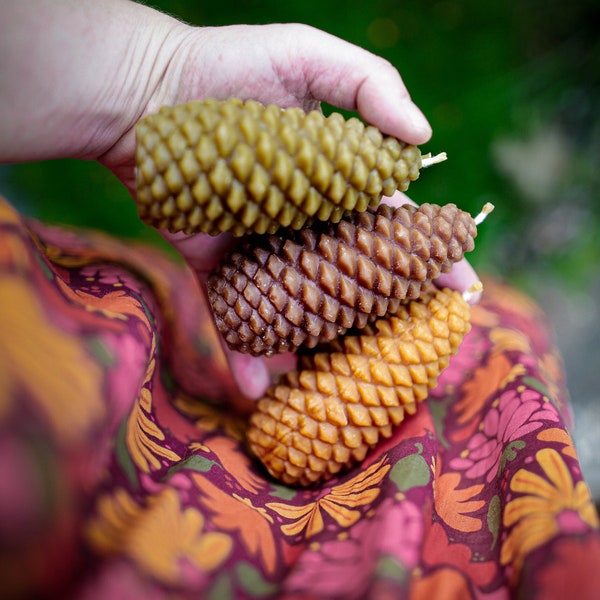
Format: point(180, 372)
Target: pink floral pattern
point(516, 413)
point(125, 473)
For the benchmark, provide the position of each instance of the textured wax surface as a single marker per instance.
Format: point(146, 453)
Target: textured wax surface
point(279, 292)
point(212, 166)
point(324, 266)
point(341, 402)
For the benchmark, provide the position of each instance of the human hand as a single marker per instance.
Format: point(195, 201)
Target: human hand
point(127, 60)
point(294, 65)
point(287, 65)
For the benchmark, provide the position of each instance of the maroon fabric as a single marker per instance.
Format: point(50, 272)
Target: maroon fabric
point(120, 479)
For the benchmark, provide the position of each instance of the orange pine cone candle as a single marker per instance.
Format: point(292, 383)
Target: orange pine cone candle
point(326, 416)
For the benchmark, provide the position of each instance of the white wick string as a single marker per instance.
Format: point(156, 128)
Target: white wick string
point(488, 207)
point(476, 288)
point(427, 160)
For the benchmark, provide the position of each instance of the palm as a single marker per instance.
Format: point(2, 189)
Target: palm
point(287, 65)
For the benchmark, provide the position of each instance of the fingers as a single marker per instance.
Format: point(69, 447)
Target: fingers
point(298, 65)
point(398, 199)
point(352, 78)
point(250, 373)
point(462, 278)
point(202, 252)
point(254, 374)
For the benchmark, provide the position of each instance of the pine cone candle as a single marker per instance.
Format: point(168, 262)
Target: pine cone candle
point(279, 292)
point(211, 166)
point(341, 403)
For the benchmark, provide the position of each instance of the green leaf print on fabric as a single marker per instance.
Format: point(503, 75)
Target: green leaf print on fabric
point(509, 453)
point(123, 456)
point(390, 568)
point(537, 385)
point(494, 516)
point(283, 492)
point(195, 462)
point(252, 581)
point(410, 471)
point(222, 589)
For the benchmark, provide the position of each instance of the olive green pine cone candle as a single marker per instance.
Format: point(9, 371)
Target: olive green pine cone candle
point(327, 415)
point(213, 166)
point(300, 288)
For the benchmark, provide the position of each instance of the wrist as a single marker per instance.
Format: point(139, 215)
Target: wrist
point(76, 75)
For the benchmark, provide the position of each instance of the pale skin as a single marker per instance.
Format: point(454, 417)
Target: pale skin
point(76, 75)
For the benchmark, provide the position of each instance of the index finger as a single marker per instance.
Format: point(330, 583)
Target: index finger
point(349, 77)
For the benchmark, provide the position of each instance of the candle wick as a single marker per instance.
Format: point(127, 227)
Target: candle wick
point(427, 160)
point(488, 207)
point(474, 289)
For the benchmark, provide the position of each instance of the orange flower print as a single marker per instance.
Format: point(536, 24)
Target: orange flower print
point(50, 366)
point(144, 437)
point(339, 502)
point(486, 380)
point(234, 513)
point(161, 538)
point(445, 578)
point(209, 418)
point(555, 434)
point(548, 505)
point(114, 305)
point(453, 505)
point(235, 463)
point(439, 551)
point(511, 300)
point(550, 367)
point(569, 556)
point(143, 434)
point(14, 253)
point(482, 317)
point(8, 215)
point(507, 340)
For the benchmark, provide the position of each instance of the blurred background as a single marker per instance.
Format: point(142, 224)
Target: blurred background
point(512, 90)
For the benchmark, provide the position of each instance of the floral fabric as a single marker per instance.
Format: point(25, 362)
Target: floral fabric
point(124, 475)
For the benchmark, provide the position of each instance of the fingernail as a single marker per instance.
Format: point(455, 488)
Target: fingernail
point(417, 120)
point(251, 375)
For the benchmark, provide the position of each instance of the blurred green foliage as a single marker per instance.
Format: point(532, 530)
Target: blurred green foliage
point(492, 77)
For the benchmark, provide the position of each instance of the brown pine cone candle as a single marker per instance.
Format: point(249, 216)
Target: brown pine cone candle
point(339, 404)
point(279, 292)
point(211, 166)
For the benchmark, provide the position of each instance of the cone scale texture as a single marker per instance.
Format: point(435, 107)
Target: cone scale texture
point(213, 166)
point(324, 269)
point(340, 403)
point(291, 289)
